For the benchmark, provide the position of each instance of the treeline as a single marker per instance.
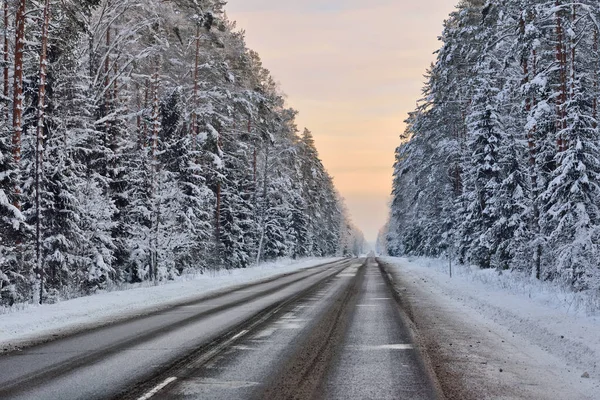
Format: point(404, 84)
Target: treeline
point(500, 163)
point(143, 139)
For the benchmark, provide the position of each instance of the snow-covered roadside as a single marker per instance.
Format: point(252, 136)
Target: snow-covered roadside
point(23, 325)
point(491, 336)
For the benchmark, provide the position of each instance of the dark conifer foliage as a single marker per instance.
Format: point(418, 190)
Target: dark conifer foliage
point(500, 164)
point(140, 140)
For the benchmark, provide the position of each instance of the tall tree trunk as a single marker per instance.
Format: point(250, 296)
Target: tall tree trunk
point(572, 75)
point(195, 94)
point(145, 122)
point(107, 71)
point(115, 83)
point(254, 158)
point(534, 182)
point(255, 174)
point(561, 58)
point(5, 51)
point(18, 93)
point(573, 52)
point(530, 102)
point(595, 67)
point(261, 244)
point(39, 150)
point(219, 201)
point(154, 181)
point(138, 118)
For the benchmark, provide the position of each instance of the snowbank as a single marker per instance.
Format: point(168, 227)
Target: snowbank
point(504, 335)
point(23, 324)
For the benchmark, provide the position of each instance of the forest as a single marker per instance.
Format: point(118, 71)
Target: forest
point(500, 164)
point(141, 140)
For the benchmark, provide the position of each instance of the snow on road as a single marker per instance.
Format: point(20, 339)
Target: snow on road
point(22, 325)
point(497, 336)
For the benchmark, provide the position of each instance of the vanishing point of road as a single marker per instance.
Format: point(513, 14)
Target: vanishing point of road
point(336, 331)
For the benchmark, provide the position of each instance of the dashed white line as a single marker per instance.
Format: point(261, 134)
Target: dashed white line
point(388, 347)
point(158, 388)
point(239, 335)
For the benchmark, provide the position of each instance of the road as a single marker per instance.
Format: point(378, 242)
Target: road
point(332, 332)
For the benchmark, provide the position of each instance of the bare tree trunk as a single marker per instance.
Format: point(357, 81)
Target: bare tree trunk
point(561, 58)
point(526, 80)
point(596, 66)
point(39, 151)
point(5, 50)
point(107, 71)
point(115, 84)
point(265, 207)
point(255, 174)
point(219, 200)
point(254, 159)
point(530, 102)
point(145, 130)
point(195, 94)
point(154, 188)
point(18, 93)
point(534, 183)
point(218, 218)
point(138, 119)
point(573, 52)
point(573, 44)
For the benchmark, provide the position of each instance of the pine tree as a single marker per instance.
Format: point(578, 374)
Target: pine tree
point(145, 140)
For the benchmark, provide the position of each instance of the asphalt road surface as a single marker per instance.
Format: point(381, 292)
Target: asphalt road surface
point(329, 332)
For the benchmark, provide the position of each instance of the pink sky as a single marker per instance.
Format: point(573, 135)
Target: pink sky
point(353, 70)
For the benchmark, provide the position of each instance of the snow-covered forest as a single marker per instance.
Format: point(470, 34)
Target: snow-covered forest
point(143, 139)
point(500, 164)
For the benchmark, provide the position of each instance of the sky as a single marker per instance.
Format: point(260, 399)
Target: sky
point(353, 69)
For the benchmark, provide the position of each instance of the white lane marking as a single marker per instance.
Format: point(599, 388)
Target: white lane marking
point(158, 388)
point(242, 347)
point(239, 335)
point(380, 298)
point(388, 347)
point(366, 305)
point(193, 387)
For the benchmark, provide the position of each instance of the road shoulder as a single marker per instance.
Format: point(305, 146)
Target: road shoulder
point(475, 357)
point(33, 324)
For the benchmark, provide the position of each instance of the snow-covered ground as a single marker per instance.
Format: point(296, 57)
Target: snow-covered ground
point(25, 324)
point(502, 336)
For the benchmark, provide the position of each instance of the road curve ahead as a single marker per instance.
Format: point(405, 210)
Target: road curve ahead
point(328, 332)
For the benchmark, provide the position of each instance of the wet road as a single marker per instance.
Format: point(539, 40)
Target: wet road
point(329, 332)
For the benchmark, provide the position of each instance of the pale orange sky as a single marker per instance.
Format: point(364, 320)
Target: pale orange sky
point(353, 69)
